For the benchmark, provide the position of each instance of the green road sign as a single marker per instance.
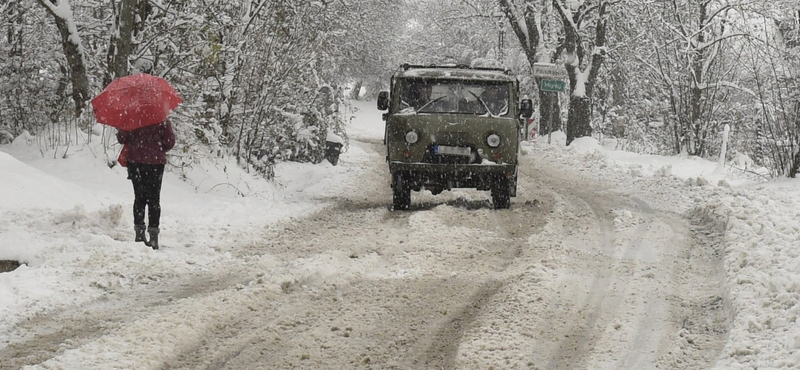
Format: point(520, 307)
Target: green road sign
point(552, 85)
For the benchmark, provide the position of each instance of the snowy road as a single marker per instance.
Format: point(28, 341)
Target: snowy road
point(576, 275)
point(570, 277)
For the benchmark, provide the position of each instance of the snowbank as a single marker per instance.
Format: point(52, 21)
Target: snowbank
point(761, 224)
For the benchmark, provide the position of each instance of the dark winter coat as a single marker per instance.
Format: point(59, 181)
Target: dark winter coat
point(149, 144)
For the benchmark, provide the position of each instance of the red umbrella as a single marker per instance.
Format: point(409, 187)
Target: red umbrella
point(135, 101)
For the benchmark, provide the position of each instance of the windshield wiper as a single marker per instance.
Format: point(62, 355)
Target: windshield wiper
point(429, 103)
point(489, 111)
point(482, 102)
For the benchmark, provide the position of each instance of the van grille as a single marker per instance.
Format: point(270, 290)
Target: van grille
point(451, 138)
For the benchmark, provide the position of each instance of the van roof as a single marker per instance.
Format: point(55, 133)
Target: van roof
point(455, 73)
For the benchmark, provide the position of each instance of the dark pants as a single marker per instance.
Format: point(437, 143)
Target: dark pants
point(146, 180)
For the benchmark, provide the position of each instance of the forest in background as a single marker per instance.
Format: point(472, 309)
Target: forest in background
point(265, 81)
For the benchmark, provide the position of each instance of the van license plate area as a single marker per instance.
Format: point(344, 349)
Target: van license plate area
point(452, 150)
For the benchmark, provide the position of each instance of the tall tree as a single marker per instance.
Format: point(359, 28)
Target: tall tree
point(73, 50)
point(774, 59)
point(538, 39)
point(695, 64)
point(121, 46)
point(583, 66)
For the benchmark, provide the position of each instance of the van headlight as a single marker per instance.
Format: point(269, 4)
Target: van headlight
point(493, 140)
point(412, 137)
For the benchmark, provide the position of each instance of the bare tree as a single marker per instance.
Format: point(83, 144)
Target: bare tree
point(774, 57)
point(695, 66)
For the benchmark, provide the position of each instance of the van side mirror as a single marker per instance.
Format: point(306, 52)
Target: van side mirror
point(383, 100)
point(526, 108)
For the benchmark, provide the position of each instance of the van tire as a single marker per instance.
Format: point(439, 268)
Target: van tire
point(401, 193)
point(501, 193)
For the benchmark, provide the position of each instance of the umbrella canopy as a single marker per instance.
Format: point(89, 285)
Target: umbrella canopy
point(135, 101)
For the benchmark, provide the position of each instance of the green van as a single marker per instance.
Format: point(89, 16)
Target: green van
point(453, 127)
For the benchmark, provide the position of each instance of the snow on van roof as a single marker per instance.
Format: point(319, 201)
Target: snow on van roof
point(456, 73)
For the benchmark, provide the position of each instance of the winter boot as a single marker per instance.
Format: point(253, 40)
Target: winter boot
point(139, 229)
point(153, 231)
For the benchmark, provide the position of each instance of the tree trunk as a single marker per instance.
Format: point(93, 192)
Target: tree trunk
point(699, 59)
point(795, 131)
point(121, 46)
point(580, 101)
point(580, 113)
point(795, 166)
point(145, 9)
point(70, 41)
point(14, 30)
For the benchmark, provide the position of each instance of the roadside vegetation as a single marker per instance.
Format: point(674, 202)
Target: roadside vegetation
point(265, 81)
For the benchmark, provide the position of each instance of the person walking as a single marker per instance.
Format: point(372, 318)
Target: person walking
point(139, 106)
point(145, 156)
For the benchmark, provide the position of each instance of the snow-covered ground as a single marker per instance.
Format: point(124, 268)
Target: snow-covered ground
point(67, 218)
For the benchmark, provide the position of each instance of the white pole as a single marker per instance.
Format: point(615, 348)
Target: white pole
point(723, 151)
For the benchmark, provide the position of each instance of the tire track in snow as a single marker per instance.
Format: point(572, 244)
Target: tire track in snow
point(610, 294)
point(49, 335)
point(455, 250)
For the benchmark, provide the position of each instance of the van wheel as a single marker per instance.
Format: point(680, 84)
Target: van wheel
point(501, 193)
point(401, 193)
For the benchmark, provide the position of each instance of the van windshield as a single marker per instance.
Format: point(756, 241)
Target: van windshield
point(454, 96)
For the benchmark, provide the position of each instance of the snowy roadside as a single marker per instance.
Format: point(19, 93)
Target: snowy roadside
point(761, 224)
point(762, 264)
point(69, 222)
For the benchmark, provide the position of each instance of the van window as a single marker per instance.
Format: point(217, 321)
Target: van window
point(455, 96)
